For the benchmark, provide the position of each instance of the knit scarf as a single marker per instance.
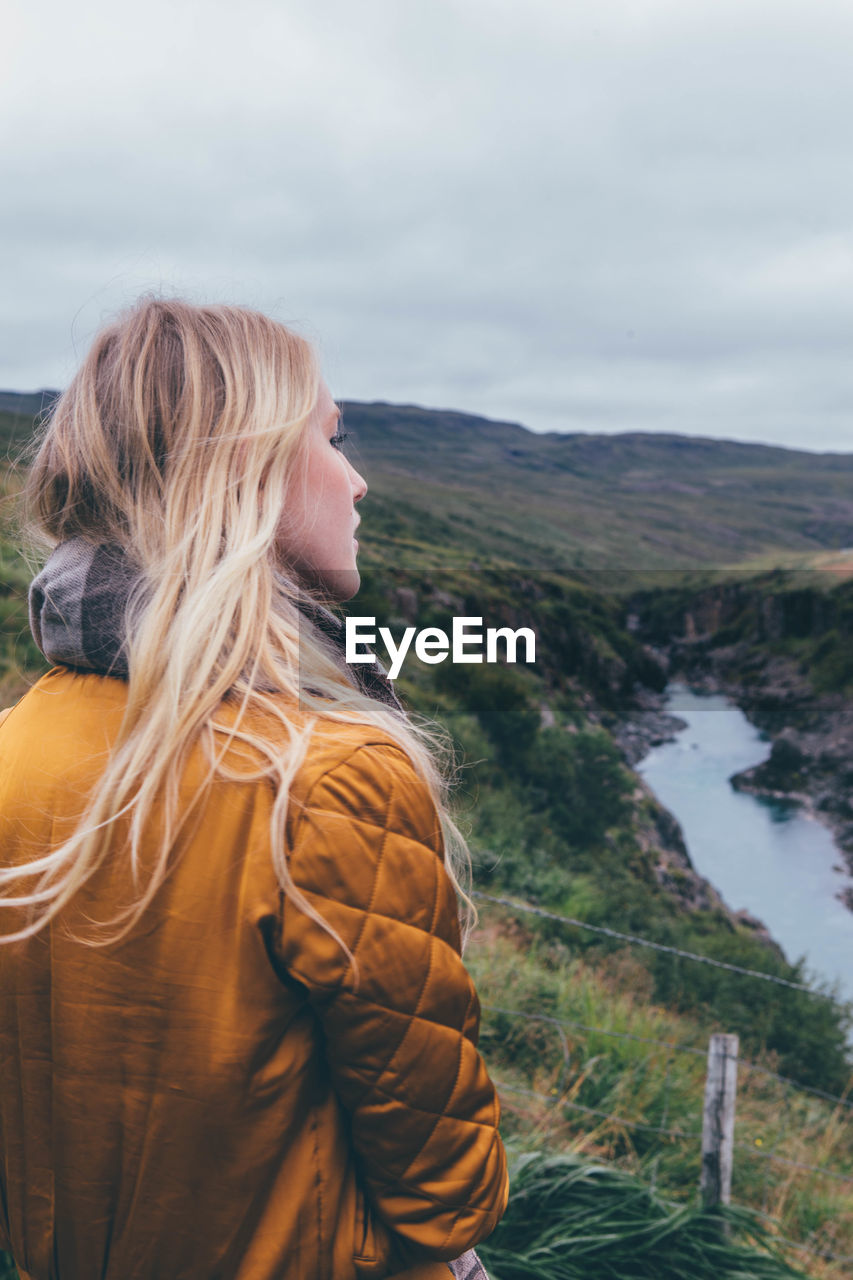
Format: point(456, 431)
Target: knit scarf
point(77, 616)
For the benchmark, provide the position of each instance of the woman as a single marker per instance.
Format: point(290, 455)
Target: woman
point(236, 1036)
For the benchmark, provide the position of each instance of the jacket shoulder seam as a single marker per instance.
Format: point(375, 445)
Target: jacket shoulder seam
point(347, 757)
point(304, 802)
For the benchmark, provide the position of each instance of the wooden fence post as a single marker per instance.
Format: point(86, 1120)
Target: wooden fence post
point(718, 1121)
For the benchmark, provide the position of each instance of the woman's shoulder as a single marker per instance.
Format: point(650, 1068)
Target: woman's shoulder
point(353, 749)
point(66, 713)
point(333, 741)
point(360, 771)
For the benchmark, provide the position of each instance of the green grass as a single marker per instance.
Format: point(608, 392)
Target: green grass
point(568, 1219)
point(595, 1069)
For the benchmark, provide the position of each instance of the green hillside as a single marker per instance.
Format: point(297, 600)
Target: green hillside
point(446, 485)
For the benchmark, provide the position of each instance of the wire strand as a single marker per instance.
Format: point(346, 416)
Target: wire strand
point(646, 942)
point(794, 1164)
point(826, 1255)
point(794, 1084)
point(743, 1063)
point(594, 1111)
point(583, 1026)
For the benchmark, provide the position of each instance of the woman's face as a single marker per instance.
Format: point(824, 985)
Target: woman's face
point(318, 524)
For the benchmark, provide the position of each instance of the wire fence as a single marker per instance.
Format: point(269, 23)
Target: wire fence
point(825, 1255)
point(673, 1045)
point(556, 1100)
point(607, 932)
point(794, 1164)
point(553, 1099)
point(623, 1121)
point(839, 1100)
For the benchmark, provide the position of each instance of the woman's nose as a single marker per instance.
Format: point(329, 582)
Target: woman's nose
point(359, 484)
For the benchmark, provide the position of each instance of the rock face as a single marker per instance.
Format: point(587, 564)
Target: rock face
point(648, 725)
point(782, 776)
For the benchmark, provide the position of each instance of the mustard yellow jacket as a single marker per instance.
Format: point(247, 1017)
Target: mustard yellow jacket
point(211, 1097)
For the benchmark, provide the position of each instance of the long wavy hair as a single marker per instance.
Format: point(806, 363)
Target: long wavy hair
point(175, 440)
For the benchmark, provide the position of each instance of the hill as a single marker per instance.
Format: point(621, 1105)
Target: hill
point(446, 487)
point(627, 502)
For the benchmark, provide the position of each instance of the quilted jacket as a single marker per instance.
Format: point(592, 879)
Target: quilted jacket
point(217, 1095)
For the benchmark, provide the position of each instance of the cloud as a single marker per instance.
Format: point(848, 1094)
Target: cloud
point(637, 215)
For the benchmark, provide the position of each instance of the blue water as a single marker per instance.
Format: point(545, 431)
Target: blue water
point(768, 858)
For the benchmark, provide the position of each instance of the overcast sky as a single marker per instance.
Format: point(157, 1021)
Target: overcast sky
point(627, 215)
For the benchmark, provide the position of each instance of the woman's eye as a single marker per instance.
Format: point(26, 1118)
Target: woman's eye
point(337, 440)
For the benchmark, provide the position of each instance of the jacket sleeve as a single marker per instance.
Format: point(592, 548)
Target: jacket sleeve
point(401, 1032)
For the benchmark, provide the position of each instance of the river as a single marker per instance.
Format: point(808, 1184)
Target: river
point(769, 858)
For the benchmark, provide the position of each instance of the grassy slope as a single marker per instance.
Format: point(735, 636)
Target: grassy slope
point(446, 486)
point(569, 1089)
point(638, 501)
point(540, 842)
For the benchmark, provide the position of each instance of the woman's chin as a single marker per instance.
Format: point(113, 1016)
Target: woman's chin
point(337, 584)
point(346, 584)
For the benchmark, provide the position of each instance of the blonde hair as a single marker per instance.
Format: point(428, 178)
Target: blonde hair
point(175, 440)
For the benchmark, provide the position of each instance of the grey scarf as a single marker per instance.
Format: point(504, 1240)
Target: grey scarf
point(77, 615)
point(468, 1267)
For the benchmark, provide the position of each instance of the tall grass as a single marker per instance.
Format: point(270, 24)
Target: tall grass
point(571, 1220)
point(597, 1071)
